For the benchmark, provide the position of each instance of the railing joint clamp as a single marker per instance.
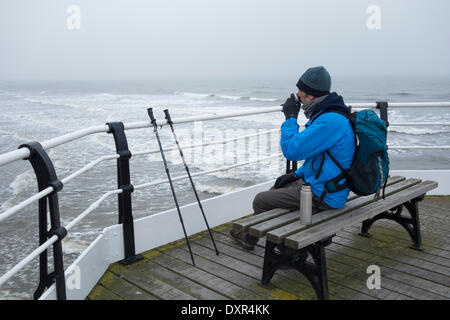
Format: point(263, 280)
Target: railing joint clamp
point(128, 188)
point(124, 154)
point(57, 185)
point(61, 232)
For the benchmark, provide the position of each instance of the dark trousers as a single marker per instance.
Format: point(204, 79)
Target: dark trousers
point(287, 197)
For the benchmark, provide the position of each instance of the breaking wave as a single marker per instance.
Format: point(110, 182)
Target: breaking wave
point(415, 130)
point(225, 97)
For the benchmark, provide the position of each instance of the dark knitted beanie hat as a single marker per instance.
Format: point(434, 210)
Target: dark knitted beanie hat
point(315, 81)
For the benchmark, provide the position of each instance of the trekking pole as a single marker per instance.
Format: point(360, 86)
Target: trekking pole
point(155, 130)
point(169, 121)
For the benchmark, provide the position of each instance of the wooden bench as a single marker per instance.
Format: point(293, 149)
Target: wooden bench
point(289, 243)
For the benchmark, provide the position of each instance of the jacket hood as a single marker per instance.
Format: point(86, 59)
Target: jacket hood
point(332, 101)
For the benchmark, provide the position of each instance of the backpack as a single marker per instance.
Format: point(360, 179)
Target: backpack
point(370, 166)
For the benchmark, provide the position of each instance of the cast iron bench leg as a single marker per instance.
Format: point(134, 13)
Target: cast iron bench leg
point(315, 272)
point(410, 224)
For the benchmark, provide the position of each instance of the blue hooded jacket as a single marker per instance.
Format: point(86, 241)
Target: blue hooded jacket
point(332, 132)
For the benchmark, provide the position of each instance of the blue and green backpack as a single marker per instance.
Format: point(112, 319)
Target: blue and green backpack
point(370, 166)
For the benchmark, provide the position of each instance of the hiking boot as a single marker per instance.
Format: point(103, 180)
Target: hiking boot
point(241, 238)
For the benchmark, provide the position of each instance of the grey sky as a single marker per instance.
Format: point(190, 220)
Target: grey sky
point(155, 38)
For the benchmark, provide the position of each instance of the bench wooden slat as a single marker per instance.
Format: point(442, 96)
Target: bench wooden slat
point(328, 228)
point(390, 182)
point(279, 228)
point(245, 224)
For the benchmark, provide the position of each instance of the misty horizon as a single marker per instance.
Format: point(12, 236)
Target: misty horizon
point(199, 39)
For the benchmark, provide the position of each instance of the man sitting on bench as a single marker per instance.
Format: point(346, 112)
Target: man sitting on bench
point(331, 132)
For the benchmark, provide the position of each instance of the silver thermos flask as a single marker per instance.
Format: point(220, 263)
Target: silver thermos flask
point(306, 204)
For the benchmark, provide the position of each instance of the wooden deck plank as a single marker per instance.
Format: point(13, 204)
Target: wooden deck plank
point(438, 203)
point(251, 265)
point(150, 284)
point(391, 279)
point(415, 276)
point(392, 249)
point(395, 253)
point(280, 286)
point(256, 257)
point(355, 278)
point(208, 280)
point(102, 293)
point(167, 273)
point(431, 243)
point(440, 231)
point(179, 281)
point(435, 214)
point(401, 287)
point(221, 265)
point(425, 255)
point(429, 217)
point(124, 289)
point(435, 225)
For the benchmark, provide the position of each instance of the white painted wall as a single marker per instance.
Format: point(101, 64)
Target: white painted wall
point(441, 176)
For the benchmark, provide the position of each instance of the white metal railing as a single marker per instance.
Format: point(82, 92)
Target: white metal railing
point(24, 153)
point(419, 147)
point(4, 215)
point(97, 203)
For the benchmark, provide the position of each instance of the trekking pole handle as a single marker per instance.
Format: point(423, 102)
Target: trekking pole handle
point(168, 118)
point(150, 114)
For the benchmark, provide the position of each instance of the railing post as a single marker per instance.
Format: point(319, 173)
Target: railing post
point(46, 177)
point(383, 107)
point(124, 198)
point(290, 168)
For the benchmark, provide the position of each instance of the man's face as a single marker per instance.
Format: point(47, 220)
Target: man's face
point(304, 97)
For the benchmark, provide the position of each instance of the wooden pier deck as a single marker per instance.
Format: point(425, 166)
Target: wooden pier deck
point(167, 272)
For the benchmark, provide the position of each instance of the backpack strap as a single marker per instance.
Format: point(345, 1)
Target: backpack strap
point(320, 166)
point(335, 110)
point(322, 162)
point(335, 161)
point(332, 186)
point(384, 188)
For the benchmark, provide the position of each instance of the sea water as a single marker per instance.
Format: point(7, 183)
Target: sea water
point(37, 111)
